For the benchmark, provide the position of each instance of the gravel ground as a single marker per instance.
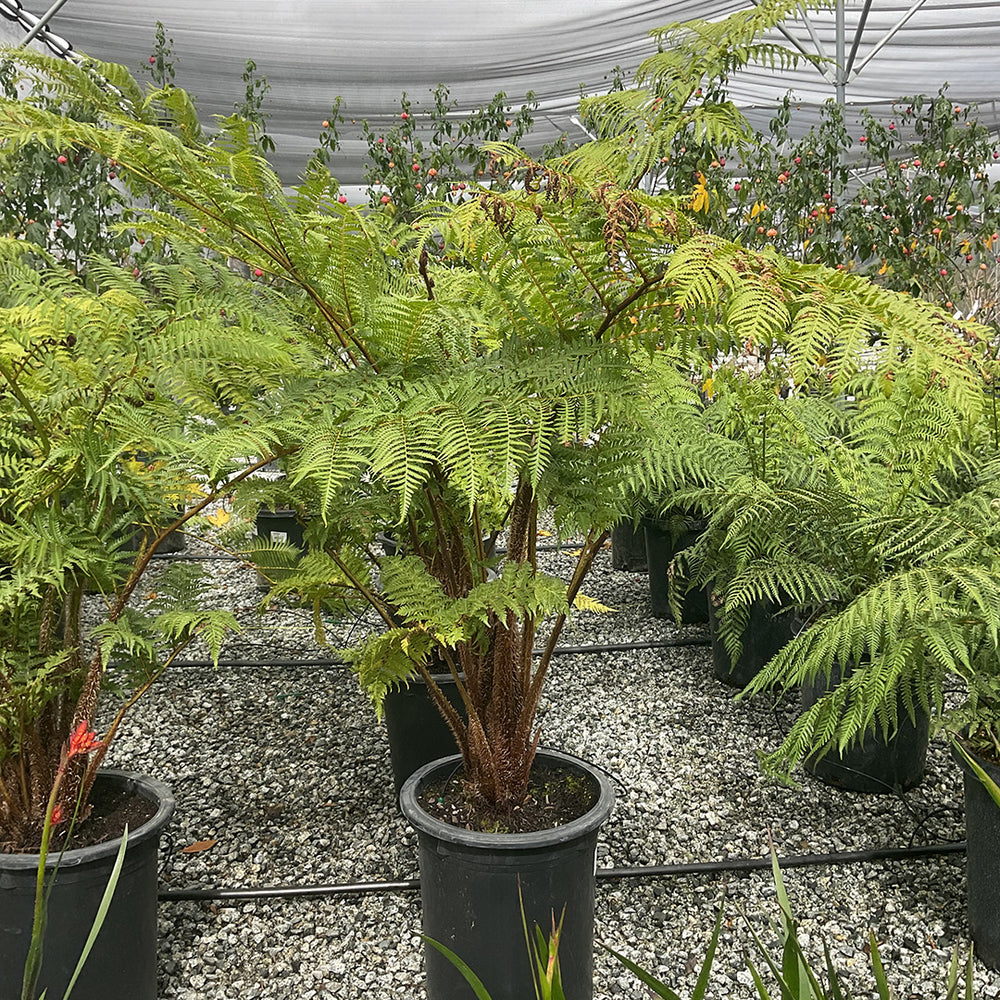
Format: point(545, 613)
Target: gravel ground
point(284, 767)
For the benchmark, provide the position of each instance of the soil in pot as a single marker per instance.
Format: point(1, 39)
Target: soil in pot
point(873, 764)
point(982, 834)
point(765, 634)
point(122, 965)
point(472, 885)
point(664, 540)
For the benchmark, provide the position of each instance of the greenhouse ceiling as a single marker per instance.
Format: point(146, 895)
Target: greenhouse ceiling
point(369, 51)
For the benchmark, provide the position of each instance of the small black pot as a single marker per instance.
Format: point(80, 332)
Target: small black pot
point(982, 859)
point(122, 964)
point(417, 731)
point(764, 635)
point(628, 547)
point(471, 885)
point(873, 764)
point(664, 540)
point(280, 525)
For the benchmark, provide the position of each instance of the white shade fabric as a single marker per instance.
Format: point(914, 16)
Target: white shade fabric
point(369, 52)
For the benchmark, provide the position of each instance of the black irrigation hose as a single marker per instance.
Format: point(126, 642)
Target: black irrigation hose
point(190, 557)
point(611, 647)
point(729, 865)
point(187, 556)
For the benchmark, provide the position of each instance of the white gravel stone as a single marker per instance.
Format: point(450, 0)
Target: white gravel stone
point(286, 769)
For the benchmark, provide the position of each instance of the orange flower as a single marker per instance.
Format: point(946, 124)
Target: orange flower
point(83, 740)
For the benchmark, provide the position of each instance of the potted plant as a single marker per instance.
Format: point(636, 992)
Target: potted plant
point(92, 375)
point(858, 549)
point(504, 357)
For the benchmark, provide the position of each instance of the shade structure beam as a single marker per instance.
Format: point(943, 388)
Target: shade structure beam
point(887, 37)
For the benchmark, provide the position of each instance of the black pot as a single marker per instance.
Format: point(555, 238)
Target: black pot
point(628, 547)
point(873, 764)
point(982, 859)
point(470, 882)
point(122, 964)
point(664, 539)
point(278, 526)
point(764, 635)
point(417, 731)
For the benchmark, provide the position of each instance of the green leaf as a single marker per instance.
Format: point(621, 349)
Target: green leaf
point(470, 977)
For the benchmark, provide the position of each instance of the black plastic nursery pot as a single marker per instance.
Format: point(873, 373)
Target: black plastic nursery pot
point(764, 635)
point(628, 547)
point(416, 729)
point(280, 525)
point(982, 859)
point(873, 764)
point(664, 540)
point(122, 964)
point(470, 882)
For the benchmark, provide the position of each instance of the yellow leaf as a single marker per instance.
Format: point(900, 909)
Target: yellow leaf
point(699, 197)
point(707, 386)
point(583, 603)
point(219, 518)
point(758, 207)
point(884, 267)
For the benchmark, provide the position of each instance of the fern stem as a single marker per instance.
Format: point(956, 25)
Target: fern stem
point(613, 314)
point(36, 421)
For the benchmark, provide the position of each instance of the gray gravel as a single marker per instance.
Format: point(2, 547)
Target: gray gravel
point(286, 770)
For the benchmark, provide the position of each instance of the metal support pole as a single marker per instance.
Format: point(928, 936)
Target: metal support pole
point(41, 23)
point(840, 86)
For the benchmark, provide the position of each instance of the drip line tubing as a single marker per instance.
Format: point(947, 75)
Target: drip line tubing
point(611, 647)
point(724, 866)
point(194, 557)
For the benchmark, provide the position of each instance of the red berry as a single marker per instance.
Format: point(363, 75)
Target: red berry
point(112, 176)
point(929, 198)
point(342, 199)
point(135, 272)
point(863, 138)
point(58, 223)
point(461, 186)
point(385, 199)
point(892, 125)
point(432, 172)
point(326, 124)
point(62, 161)
point(405, 116)
point(944, 271)
point(258, 273)
point(736, 186)
point(152, 60)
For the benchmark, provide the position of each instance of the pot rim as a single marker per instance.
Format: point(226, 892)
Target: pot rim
point(991, 767)
point(149, 788)
point(582, 826)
